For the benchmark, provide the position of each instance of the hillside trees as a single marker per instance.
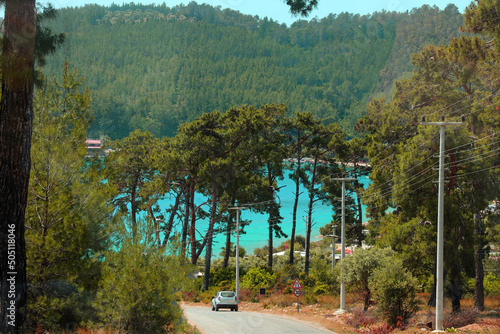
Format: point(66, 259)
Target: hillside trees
point(216, 59)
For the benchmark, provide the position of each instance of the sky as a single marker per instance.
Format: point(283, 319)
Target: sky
point(279, 11)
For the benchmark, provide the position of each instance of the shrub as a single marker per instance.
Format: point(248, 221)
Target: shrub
point(137, 292)
point(356, 271)
point(289, 271)
point(463, 318)
point(322, 289)
point(190, 296)
point(491, 285)
point(360, 318)
point(395, 291)
point(258, 277)
point(206, 296)
point(382, 329)
point(249, 295)
point(219, 275)
point(59, 305)
point(309, 298)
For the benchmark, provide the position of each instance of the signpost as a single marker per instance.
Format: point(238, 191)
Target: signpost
point(297, 291)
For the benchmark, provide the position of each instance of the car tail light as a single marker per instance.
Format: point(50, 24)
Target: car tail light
point(219, 298)
point(235, 298)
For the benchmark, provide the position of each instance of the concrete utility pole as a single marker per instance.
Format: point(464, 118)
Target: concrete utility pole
point(237, 249)
point(342, 238)
point(334, 226)
point(440, 228)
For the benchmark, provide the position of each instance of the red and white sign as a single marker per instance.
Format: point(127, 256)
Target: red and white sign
point(297, 285)
point(297, 292)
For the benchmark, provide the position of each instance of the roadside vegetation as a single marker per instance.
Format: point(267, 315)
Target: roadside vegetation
point(103, 256)
point(382, 296)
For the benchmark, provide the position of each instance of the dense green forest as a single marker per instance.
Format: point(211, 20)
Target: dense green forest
point(154, 67)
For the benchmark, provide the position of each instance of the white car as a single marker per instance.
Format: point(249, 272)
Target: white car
point(225, 299)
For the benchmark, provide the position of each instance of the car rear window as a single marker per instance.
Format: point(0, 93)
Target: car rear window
point(227, 294)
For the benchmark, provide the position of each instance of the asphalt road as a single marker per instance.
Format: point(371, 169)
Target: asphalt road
point(227, 322)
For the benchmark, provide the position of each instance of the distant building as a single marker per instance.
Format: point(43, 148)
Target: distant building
point(93, 146)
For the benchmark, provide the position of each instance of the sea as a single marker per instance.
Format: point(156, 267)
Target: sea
point(256, 233)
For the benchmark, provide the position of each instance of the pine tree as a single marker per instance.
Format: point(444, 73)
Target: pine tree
point(16, 121)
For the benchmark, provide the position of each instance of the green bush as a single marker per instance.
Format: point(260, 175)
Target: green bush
point(258, 277)
point(289, 272)
point(356, 270)
point(322, 289)
point(491, 285)
point(137, 292)
point(60, 305)
point(206, 296)
point(218, 275)
point(309, 298)
point(395, 292)
point(190, 296)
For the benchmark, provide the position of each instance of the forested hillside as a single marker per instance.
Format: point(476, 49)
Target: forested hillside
point(155, 67)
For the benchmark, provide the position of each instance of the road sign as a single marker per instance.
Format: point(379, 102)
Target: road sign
point(297, 292)
point(296, 284)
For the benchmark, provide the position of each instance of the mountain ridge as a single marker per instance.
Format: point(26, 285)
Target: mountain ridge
point(154, 67)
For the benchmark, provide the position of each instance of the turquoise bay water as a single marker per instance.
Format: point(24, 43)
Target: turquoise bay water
point(257, 232)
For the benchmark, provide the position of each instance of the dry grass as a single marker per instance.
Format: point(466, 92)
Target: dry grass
point(96, 331)
point(323, 314)
point(278, 300)
point(331, 302)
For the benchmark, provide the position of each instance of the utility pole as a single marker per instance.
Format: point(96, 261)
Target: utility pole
point(334, 226)
point(237, 250)
point(342, 309)
point(440, 227)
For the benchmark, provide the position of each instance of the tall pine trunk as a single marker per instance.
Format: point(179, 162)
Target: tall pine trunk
point(271, 218)
point(309, 217)
point(185, 225)
point(209, 239)
point(295, 203)
point(133, 204)
point(16, 122)
point(456, 282)
point(227, 249)
point(192, 229)
point(173, 213)
point(478, 257)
